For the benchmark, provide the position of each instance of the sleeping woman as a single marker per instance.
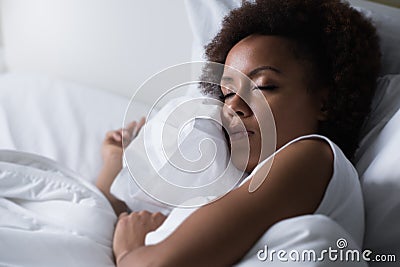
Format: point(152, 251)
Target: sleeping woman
point(315, 63)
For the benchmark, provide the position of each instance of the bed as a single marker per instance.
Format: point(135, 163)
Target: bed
point(56, 106)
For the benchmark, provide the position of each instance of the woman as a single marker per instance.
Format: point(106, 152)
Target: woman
point(316, 63)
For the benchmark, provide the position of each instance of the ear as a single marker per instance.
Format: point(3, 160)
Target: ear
point(322, 96)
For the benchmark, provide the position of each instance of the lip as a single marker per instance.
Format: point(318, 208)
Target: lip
point(238, 132)
point(240, 135)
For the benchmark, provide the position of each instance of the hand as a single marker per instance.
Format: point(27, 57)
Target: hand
point(112, 145)
point(131, 231)
point(112, 150)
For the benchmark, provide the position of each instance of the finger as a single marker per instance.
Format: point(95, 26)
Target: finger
point(145, 213)
point(110, 134)
point(139, 126)
point(117, 135)
point(141, 122)
point(159, 218)
point(131, 126)
point(126, 138)
point(113, 136)
point(123, 214)
point(130, 131)
point(126, 134)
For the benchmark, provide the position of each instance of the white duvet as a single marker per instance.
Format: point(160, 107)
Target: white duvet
point(52, 217)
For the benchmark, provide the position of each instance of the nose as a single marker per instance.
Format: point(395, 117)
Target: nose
point(238, 105)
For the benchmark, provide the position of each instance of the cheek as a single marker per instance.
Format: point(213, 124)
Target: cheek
point(293, 119)
point(261, 105)
point(225, 115)
point(286, 109)
point(264, 120)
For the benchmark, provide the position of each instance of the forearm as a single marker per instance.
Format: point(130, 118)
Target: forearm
point(109, 171)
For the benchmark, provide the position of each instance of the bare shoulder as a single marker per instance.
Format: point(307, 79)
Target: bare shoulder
point(309, 159)
point(301, 172)
point(309, 154)
point(309, 150)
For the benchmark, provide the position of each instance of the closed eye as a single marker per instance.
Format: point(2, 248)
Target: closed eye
point(228, 95)
point(227, 91)
point(267, 87)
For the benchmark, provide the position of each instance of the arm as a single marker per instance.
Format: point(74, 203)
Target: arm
point(111, 167)
point(112, 151)
point(220, 233)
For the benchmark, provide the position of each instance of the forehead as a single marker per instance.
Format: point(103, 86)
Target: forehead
point(257, 50)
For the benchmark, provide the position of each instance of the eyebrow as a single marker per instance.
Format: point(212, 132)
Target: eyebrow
point(226, 79)
point(259, 69)
point(253, 73)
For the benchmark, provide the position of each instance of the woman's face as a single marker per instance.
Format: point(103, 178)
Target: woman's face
point(282, 81)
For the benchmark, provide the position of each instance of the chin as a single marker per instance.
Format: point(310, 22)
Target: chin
point(244, 164)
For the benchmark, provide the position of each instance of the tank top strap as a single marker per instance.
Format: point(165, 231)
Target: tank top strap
point(269, 159)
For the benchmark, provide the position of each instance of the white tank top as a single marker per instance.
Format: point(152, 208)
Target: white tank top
point(342, 201)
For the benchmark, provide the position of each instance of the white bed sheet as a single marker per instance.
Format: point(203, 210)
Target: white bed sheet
point(50, 216)
point(61, 120)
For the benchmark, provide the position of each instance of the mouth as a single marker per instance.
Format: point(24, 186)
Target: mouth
point(239, 132)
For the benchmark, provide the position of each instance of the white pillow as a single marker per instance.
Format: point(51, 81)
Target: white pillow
point(191, 158)
point(64, 121)
point(378, 165)
point(205, 19)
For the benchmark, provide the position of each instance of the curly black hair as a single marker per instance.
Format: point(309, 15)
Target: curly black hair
point(340, 44)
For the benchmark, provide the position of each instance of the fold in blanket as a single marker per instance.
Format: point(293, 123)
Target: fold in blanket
point(49, 217)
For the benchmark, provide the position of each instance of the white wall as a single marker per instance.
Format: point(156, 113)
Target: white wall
point(109, 44)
